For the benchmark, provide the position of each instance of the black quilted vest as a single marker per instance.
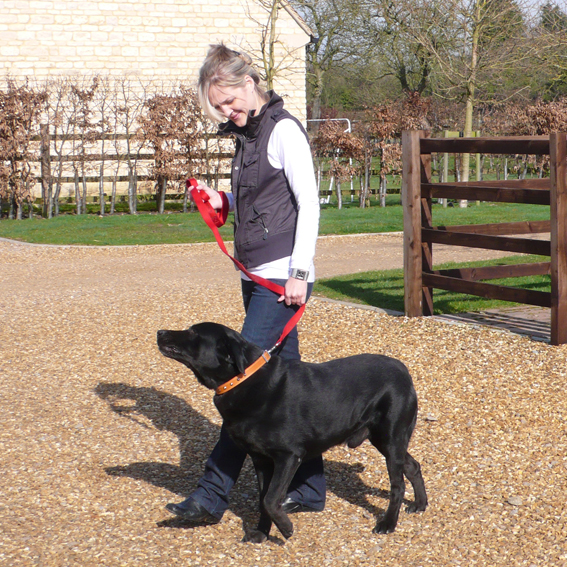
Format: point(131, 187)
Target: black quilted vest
point(265, 207)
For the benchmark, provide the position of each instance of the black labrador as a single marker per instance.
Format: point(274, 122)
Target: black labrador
point(291, 411)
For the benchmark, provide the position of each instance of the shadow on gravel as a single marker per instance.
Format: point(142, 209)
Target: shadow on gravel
point(149, 407)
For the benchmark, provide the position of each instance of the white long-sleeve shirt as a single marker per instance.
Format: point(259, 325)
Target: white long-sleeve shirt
point(289, 150)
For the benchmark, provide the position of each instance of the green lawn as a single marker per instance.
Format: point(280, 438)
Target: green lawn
point(385, 289)
point(116, 230)
point(176, 227)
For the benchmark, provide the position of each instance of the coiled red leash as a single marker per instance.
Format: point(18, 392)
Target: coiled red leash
point(214, 222)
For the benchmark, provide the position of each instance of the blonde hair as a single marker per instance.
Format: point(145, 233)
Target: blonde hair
point(224, 67)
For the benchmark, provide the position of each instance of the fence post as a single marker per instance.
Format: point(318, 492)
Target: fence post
point(45, 169)
point(411, 200)
point(558, 198)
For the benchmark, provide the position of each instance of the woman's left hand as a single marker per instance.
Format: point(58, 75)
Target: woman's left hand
point(295, 292)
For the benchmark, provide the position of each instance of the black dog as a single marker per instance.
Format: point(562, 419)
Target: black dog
point(291, 411)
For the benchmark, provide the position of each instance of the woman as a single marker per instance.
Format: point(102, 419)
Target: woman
point(275, 201)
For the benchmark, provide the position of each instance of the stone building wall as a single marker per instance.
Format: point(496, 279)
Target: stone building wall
point(151, 40)
point(161, 39)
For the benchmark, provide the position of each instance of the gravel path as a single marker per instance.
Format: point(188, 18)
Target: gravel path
point(99, 431)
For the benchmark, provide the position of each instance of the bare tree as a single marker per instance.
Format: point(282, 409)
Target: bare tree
point(127, 109)
point(470, 45)
point(335, 24)
point(552, 32)
point(386, 123)
point(60, 117)
point(170, 125)
point(274, 55)
point(397, 51)
point(103, 109)
point(333, 141)
point(20, 111)
point(82, 96)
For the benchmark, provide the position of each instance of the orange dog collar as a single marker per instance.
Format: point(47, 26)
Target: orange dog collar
point(233, 382)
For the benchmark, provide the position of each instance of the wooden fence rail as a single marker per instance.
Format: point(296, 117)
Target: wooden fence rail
point(419, 233)
point(46, 158)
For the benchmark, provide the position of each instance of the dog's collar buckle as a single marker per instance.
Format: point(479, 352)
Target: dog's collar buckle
point(233, 382)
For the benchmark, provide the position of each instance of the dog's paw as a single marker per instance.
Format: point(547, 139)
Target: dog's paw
point(414, 508)
point(287, 533)
point(255, 536)
point(384, 528)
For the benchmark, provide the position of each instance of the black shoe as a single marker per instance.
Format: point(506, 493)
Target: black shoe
point(192, 512)
point(290, 506)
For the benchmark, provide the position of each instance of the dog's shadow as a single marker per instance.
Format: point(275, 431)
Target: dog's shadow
point(149, 407)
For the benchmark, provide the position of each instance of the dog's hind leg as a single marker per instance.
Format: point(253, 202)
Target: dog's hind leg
point(394, 448)
point(412, 470)
point(395, 464)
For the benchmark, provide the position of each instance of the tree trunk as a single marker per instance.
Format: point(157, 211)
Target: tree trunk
point(46, 184)
point(330, 191)
point(113, 196)
point(132, 190)
point(185, 199)
point(30, 201)
point(84, 191)
point(317, 94)
point(55, 200)
point(525, 168)
point(162, 188)
point(135, 193)
point(268, 51)
point(78, 207)
point(101, 190)
point(50, 200)
point(469, 102)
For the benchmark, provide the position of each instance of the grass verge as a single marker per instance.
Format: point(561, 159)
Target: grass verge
point(385, 289)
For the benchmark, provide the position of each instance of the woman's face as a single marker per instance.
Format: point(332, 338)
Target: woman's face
point(236, 102)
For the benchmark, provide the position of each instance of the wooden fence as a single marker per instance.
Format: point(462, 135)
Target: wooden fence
point(419, 233)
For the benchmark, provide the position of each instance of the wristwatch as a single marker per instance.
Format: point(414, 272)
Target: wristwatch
point(300, 274)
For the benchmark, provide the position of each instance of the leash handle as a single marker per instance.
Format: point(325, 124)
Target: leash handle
point(206, 210)
point(214, 221)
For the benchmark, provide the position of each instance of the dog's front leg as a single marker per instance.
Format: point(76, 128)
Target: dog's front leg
point(264, 471)
point(285, 467)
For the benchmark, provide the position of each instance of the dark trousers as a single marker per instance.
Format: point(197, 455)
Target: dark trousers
point(263, 325)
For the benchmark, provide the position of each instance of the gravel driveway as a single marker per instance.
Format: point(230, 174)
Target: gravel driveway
point(99, 431)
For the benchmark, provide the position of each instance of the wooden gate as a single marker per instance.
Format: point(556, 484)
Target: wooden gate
point(419, 233)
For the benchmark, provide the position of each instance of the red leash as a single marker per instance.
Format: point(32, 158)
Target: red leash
point(214, 221)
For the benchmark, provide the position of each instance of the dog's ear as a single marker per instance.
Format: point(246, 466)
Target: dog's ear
point(236, 351)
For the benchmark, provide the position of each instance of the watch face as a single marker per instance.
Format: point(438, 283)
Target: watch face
point(300, 274)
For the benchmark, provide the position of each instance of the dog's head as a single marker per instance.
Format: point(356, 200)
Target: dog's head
point(213, 352)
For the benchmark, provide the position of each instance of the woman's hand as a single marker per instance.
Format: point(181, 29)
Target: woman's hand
point(214, 198)
point(295, 292)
